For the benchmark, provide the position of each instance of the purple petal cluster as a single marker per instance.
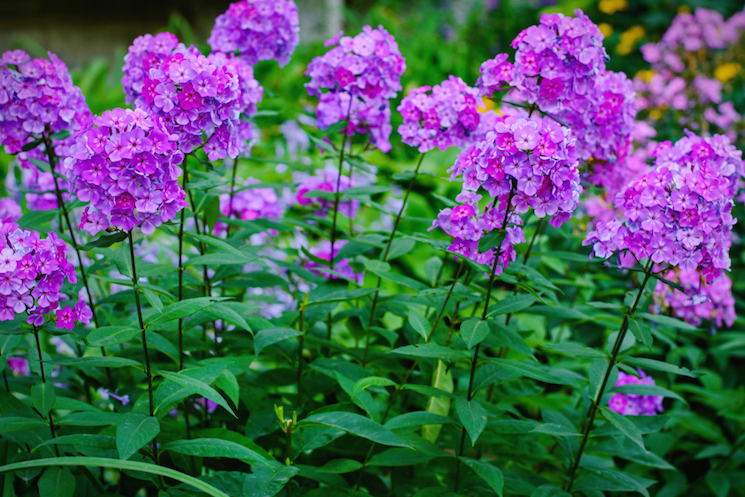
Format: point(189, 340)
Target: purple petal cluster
point(326, 180)
point(38, 96)
point(126, 166)
point(9, 210)
point(193, 96)
point(700, 300)
point(530, 161)
point(19, 366)
point(249, 204)
point(496, 74)
point(258, 30)
point(631, 404)
point(446, 117)
point(679, 213)
point(32, 272)
point(323, 252)
point(361, 75)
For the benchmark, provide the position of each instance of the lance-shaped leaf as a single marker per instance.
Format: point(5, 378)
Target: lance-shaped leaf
point(419, 323)
point(134, 431)
point(474, 331)
point(270, 336)
point(472, 415)
point(488, 472)
point(624, 426)
point(198, 387)
point(216, 447)
point(355, 424)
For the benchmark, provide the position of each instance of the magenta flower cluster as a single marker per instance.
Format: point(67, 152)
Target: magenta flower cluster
point(9, 210)
point(193, 96)
point(361, 75)
point(680, 212)
point(446, 117)
point(631, 404)
point(127, 166)
point(258, 30)
point(32, 272)
point(249, 204)
point(342, 267)
point(699, 300)
point(530, 162)
point(326, 180)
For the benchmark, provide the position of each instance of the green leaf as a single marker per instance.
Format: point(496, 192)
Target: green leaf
point(104, 241)
point(491, 240)
point(417, 418)
point(400, 247)
point(555, 429)
point(181, 309)
point(60, 135)
point(718, 483)
point(198, 387)
point(558, 312)
point(10, 424)
point(624, 426)
point(111, 335)
point(103, 462)
point(511, 305)
point(152, 299)
point(362, 384)
point(267, 482)
point(217, 243)
point(442, 381)
point(668, 321)
point(220, 259)
point(621, 480)
point(639, 389)
point(94, 362)
point(57, 482)
point(340, 296)
point(228, 383)
point(36, 219)
point(641, 332)
point(430, 350)
point(270, 336)
point(98, 418)
point(540, 372)
point(85, 440)
point(43, 396)
point(357, 425)
point(489, 473)
point(31, 145)
point(222, 311)
point(474, 331)
point(660, 366)
point(398, 457)
point(473, 417)
point(340, 466)
point(419, 323)
point(215, 447)
point(133, 432)
point(573, 349)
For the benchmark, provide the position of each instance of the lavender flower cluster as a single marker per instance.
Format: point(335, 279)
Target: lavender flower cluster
point(249, 204)
point(680, 212)
point(631, 404)
point(126, 165)
point(699, 300)
point(361, 75)
point(523, 163)
point(326, 180)
point(342, 267)
point(446, 117)
point(32, 272)
point(258, 30)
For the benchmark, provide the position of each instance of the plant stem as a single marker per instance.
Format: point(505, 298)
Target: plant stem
point(144, 339)
point(385, 257)
point(181, 276)
point(338, 185)
point(599, 395)
point(44, 381)
point(232, 192)
point(538, 229)
point(301, 343)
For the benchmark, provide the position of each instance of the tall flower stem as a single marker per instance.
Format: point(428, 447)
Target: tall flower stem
point(44, 382)
point(337, 194)
point(538, 229)
point(181, 276)
point(232, 193)
point(599, 395)
point(301, 343)
point(144, 338)
point(475, 360)
point(400, 386)
point(385, 258)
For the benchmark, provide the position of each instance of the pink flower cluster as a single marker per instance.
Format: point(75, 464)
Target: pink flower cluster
point(531, 161)
point(258, 30)
point(361, 75)
point(326, 180)
point(323, 252)
point(9, 209)
point(193, 96)
point(711, 301)
point(631, 404)
point(680, 212)
point(446, 117)
point(127, 166)
point(19, 366)
point(249, 204)
point(32, 272)
point(37, 96)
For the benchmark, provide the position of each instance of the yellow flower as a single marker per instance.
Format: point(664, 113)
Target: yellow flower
point(606, 29)
point(612, 6)
point(655, 114)
point(629, 39)
point(684, 9)
point(487, 104)
point(727, 71)
point(646, 75)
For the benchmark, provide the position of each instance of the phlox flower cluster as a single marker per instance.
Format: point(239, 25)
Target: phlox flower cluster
point(342, 267)
point(361, 75)
point(526, 163)
point(326, 180)
point(9, 209)
point(193, 96)
point(32, 272)
point(36, 97)
point(679, 213)
point(711, 301)
point(127, 167)
point(446, 117)
point(18, 366)
point(631, 404)
point(249, 204)
point(258, 30)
